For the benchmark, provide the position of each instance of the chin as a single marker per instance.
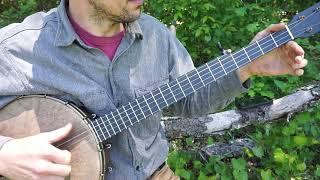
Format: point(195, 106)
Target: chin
point(132, 17)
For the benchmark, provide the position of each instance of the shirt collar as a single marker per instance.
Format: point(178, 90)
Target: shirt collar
point(66, 34)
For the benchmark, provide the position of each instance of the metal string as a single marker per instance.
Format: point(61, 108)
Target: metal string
point(292, 24)
point(216, 63)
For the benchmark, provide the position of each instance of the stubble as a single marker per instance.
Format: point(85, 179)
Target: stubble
point(101, 13)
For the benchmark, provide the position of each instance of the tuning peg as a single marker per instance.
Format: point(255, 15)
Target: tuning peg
point(223, 51)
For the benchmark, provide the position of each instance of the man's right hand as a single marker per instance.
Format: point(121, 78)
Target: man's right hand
point(35, 158)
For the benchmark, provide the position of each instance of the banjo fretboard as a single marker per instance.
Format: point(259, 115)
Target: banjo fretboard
point(126, 116)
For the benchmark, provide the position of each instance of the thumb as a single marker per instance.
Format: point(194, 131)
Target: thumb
point(58, 134)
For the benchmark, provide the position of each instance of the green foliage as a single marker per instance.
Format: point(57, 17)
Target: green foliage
point(16, 11)
point(284, 150)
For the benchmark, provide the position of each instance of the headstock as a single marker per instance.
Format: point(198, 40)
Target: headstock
point(306, 23)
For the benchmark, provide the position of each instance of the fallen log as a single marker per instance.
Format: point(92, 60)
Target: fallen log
point(300, 100)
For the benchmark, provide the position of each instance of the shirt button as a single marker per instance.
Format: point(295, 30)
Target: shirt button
point(110, 169)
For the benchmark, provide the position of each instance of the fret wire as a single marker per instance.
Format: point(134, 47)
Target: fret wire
point(246, 54)
point(144, 97)
point(125, 126)
point(172, 92)
point(211, 72)
point(289, 32)
point(163, 96)
point(234, 60)
point(133, 111)
point(94, 127)
point(222, 65)
point(240, 57)
point(274, 40)
point(200, 77)
point(140, 108)
point(110, 124)
point(180, 87)
point(155, 101)
point(190, 82)
point(104, 124)
point(101, 129)
point(115, 120)
point(127, 115)
point(259, 47)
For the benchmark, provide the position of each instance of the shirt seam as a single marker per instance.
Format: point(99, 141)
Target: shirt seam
point(26, 29)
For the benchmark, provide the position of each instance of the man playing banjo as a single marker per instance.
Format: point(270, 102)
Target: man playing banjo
point(101, 54)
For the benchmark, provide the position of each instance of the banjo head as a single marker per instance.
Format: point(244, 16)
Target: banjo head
point(31, 115)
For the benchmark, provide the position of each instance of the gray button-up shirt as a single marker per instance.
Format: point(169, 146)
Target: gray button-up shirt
point(44, 55)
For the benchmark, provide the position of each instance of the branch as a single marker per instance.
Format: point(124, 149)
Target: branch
point(232, 149)
point(300, 100)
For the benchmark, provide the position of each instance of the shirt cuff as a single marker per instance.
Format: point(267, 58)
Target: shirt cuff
point(231, 84)
point(3, 140)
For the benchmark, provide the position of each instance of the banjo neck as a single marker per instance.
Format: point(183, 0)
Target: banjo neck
point(304, 24)
point(150, 103)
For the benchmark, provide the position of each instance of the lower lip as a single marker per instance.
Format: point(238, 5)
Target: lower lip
point(137, 2)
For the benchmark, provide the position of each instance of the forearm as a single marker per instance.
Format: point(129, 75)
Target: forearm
point(212, 97)
point(243, 74)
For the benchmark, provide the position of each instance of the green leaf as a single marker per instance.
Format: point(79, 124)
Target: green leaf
point(202, 176)
point(241, 11)
point(266, 175)
point(252, 27)
point(197, 164)
point(251, 93)
point(280, 84)
point(183, 173)
point(239, 169)
point(189, 141)
point(300, 140)
point(280, 156)
point(258, 151)
point(208, 6)
point(207, 38)
point(301, 166)
point(269, 94)
point(210, 141)
point(317, 171)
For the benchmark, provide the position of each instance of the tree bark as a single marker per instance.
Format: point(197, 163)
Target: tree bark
point(302, 99)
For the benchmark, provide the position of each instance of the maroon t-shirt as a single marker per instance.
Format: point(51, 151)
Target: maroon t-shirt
point(108, 45)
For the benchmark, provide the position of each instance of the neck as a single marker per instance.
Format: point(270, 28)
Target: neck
point(81, 12)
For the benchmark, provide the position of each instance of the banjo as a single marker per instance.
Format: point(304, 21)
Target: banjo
point(87, 141)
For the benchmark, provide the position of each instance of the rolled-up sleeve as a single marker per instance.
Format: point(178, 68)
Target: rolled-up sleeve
point(206, 100)
point(11, 85)
point(3, 140)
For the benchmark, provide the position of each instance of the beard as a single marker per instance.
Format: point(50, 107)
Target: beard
point(101, 13)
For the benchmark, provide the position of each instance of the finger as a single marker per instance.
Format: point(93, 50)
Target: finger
point(299, 72)
point(272, 28)
point(59, 156)
point(299, 63)
point(58, 134)
point(294, 49)
point(51, 178)
point(58, 169)
point(275, 27)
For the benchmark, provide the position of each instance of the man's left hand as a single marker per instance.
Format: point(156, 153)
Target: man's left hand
point(287, 59)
